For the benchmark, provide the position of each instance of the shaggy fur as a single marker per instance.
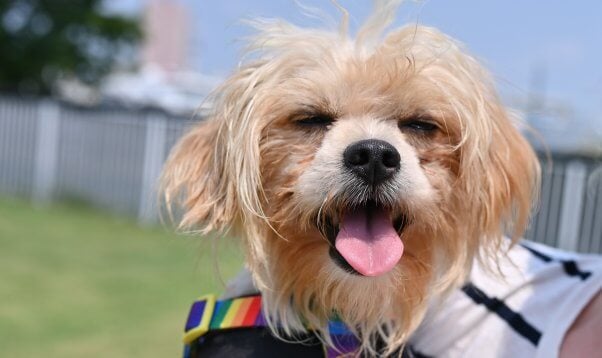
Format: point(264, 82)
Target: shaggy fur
point(255, 169)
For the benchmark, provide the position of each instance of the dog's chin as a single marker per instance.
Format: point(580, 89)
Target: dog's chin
point(365, 239)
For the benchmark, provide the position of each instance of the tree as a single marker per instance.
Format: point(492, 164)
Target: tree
point(44, 40)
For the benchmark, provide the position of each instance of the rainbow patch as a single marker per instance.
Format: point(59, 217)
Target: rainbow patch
point(237, 313)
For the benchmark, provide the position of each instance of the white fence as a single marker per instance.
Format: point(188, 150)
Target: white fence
point(570, 209)
point(111, 158)
point(107, 157)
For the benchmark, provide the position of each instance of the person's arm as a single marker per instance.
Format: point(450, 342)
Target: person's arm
point(584, 338)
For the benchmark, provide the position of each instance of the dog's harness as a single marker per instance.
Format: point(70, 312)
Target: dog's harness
point(209, 316)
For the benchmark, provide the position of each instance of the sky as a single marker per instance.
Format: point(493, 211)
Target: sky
point(553, 48)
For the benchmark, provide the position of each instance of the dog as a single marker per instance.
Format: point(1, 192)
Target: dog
point(365, 175)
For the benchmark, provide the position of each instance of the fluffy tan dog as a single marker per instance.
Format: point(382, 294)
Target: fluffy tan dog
point(363, 174)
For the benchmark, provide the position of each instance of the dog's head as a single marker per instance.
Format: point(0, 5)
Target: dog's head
point(363, 176)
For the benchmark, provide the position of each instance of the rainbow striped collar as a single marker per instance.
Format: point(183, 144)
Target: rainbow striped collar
point(208, 314)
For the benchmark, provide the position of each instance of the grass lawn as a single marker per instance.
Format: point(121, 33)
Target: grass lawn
point(78, 283)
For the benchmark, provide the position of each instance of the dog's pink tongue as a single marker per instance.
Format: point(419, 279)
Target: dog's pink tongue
point(369, 242)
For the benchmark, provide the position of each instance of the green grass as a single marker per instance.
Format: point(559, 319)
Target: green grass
point(78, 283)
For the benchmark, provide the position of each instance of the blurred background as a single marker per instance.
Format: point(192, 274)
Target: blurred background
point(94, 93)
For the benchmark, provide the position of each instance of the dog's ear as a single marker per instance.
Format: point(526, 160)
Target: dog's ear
point(194, 178)
point(213, 172)
point(502, 177)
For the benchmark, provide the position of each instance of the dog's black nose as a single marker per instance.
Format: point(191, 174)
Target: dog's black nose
point(373, 160)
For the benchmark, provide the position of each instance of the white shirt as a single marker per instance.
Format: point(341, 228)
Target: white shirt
point(525, 313)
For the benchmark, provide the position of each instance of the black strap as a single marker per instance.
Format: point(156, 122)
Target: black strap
point(514, 319)
point(570, 266)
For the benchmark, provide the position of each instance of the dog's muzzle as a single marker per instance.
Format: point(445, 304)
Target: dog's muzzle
point(365, 231)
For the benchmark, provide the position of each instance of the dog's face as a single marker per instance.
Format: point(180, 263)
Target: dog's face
point(363, 180)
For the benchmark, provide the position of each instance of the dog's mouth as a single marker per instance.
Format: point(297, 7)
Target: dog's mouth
point(366, 240)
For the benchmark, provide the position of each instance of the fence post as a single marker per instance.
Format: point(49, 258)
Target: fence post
point(572, 204)
point(154, 153)
point(47, 139)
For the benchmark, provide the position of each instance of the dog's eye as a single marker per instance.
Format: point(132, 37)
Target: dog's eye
point(418, 125)
point(318, 120)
